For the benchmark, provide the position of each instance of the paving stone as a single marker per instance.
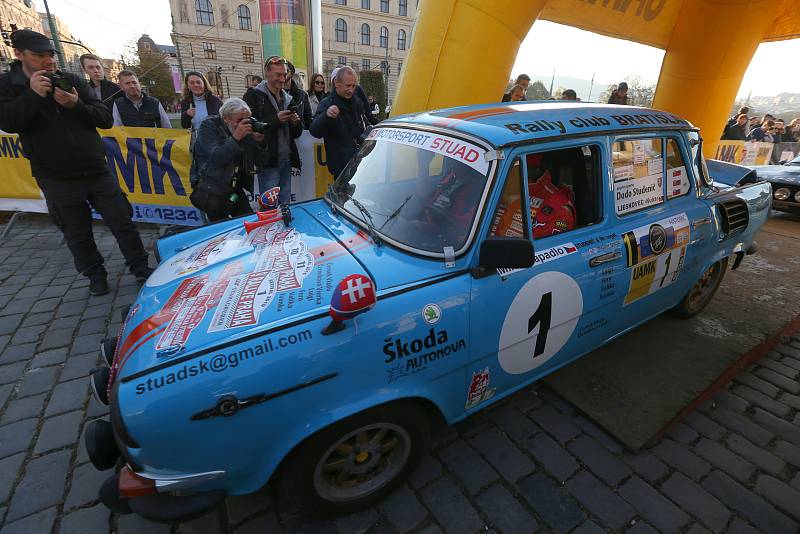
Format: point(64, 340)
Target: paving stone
point(789, 351)
point(641, 528)
point(427, 470)
point(29, 292)
point(788, 452)
point(86, 481)
point(551, 502)
point(505, 512)
point(94, 519)
point(759, 399)
point(589, 528)
point(357, 523)
point(695, 528)
point(600, 500)
point(54, 339)
point(9, 470)
point(74, 307)
point(780, 494)
point(5, 393)
point(683, 433)
point(471, 470)
point(92, 326)
point(790, 400)
point(724, 459)
point(403, 509)
point(513, 422)
point(450, 507)
point(49, 357)
point(39, 522)
point(18, 306)
point(87, 344)
point(749, 379)
point(697, 501)
point(785, 384)
point(552, 456)
point(754, 508)
point(16, 437)
point(240, 507)
point(45, 305)
point(59, 431)
point(11, 372)
point(794, 362)
point(68, 396)
point(760, 457)
point(779, 368)
point(599, 460)
point(503, 455)
point(16, 353)
point(552, 398)
point(9, 289)
point(54, 291)
point(28, 334)
point(733, 402)
point(740, 527)
point(41, 486)
point(37, 380)
point(603, 438)
point(682, 459)
point(65, 323)
point(211, 523)
point(79, 366)
point(134, 524)
point(24, 408)
point(779, 427)
point(705, 426)
point(555, 423)
point(10, 323)
point(38, 319)
point(795, 483)
point(653, 506)
point(741, 425)
point(646, 465)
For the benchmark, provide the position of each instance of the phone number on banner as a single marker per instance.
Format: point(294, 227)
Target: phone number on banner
point(152, 213)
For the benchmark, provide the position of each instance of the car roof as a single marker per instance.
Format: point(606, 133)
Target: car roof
point(518, 122)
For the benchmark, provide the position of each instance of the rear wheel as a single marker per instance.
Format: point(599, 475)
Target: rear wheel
point(357, 461)
point(702, 292)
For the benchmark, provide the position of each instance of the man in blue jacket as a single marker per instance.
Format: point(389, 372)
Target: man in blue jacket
point(340, 120)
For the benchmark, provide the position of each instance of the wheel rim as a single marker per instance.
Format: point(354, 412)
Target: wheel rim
point(704, 288)
point(362, 462)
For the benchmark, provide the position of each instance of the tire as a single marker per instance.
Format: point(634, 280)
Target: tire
point(331, 472)
point(702, 291)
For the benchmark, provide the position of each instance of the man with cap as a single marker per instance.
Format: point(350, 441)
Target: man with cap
point(619, 95)
point(56, 116)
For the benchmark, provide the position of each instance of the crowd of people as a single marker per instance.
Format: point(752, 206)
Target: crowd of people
point(767, 129)
point(518, 92)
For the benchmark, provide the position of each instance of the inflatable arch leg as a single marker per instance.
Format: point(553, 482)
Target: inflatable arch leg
point(711, 46)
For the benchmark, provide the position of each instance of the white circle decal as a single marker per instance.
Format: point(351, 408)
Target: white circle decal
point(539, 321)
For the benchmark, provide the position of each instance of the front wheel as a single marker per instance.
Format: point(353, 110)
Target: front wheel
point(355, 462)
point(702, 292)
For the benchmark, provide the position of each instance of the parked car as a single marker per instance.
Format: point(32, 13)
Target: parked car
point(461, 255)
point(785, 180)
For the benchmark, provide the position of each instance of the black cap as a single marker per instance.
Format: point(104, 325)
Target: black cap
point(31, 40)
point(623, 86)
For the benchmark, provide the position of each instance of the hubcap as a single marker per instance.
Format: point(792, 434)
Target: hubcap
point(362, 462)
point(704, 285)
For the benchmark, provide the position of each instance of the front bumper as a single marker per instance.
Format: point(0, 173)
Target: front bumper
point(785, 205)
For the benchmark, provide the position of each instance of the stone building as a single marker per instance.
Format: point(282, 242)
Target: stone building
point(221, 39)
point(15, 14)
point(368, 35)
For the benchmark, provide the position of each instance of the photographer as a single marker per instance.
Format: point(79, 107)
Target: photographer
point(271, 104)
point(56, 116)
point(226, 151)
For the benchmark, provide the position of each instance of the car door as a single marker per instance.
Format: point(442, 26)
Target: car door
point(527, 322)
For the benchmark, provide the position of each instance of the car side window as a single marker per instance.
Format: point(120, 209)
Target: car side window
point(638, 169)
point(678, 183)
point(508, 220)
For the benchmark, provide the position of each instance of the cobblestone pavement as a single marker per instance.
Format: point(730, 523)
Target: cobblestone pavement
point(529, 464)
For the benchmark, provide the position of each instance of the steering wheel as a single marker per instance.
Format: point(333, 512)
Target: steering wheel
point(443, 220)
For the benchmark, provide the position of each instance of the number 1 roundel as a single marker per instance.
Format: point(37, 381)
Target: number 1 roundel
point(539, 321)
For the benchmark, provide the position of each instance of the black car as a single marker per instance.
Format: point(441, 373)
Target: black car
point(785, 180)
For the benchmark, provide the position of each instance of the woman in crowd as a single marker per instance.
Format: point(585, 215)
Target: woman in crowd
point(198, 102)
point(516, 94)
point(316, 92)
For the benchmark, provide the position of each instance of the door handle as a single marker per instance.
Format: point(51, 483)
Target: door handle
point(700, 222)
point(604, 258)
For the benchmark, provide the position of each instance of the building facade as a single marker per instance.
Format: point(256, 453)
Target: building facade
point(112, 68)
point(368, 35)
point(72, 47)
point(221, 39)
point(15, 14)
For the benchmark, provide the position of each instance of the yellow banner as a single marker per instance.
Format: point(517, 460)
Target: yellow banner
point(744, 152)
point(17, 182)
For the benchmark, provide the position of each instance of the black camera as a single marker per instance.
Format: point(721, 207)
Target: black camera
point(258, 126)
point(60, 81)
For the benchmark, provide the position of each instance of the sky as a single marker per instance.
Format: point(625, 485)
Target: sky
point(579, 54)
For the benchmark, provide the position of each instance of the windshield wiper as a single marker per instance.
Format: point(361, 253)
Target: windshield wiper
point(395, 212)
point(367, 220)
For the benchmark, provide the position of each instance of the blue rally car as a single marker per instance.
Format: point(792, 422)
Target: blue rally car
point(461, 255)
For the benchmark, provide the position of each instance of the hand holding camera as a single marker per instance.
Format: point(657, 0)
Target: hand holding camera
point(285, 116)
point(40, 84)
point(243, 129)
point(65, 99)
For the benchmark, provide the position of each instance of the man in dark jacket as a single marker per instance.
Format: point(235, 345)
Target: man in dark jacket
point(57, 129)
point(270, 103)
point(135, 108)
point(225, 154)
point(737, 130)
point(103, 90)
point(619, 95)
point(340, 121)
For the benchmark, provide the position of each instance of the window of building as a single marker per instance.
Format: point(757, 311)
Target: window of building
point(205, 15)
point(384, 6)
point(401, 40)
point(342, 61)
point(365, 34)
point(365, 63)
point(384, 37)
point(341, 2)
point(403, 8)
point(245, 22)
point(247, 54)
point(365, 4)
point(210, 50)
point(223, 10)
point(341, 31)
point(638, 174)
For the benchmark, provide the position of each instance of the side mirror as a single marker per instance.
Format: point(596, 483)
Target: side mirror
point(354, 295)
point(506, 252)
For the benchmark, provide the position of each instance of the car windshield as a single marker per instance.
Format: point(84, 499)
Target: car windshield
point(418, 189)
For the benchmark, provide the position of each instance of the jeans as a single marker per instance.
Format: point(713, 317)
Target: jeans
point(277, 176)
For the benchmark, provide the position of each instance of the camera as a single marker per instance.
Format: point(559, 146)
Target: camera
point(258, 126)
point(57, 80)
point(295, 108)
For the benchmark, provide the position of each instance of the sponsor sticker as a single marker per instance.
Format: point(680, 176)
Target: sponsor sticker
point(244, 299)
point(544, 256)
point(431, 313)
point(451, 147)
point(678, 183)
point(407, 356)
point(638, 193)
point(623, 172)
point(479, 391)
point(655, 166)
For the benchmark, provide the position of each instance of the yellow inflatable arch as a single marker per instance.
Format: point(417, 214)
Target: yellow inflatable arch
point(463, 50)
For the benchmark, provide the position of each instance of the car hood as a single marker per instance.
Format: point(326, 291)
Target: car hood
point(233, 284)
point(788, 174)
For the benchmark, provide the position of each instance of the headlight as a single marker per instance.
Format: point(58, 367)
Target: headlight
point(782, 193)
point(797, 196)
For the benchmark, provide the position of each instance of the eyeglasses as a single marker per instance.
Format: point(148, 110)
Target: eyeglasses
point(319, 82)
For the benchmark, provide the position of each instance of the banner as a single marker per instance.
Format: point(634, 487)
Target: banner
point(152, 166)
point(744, 152)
